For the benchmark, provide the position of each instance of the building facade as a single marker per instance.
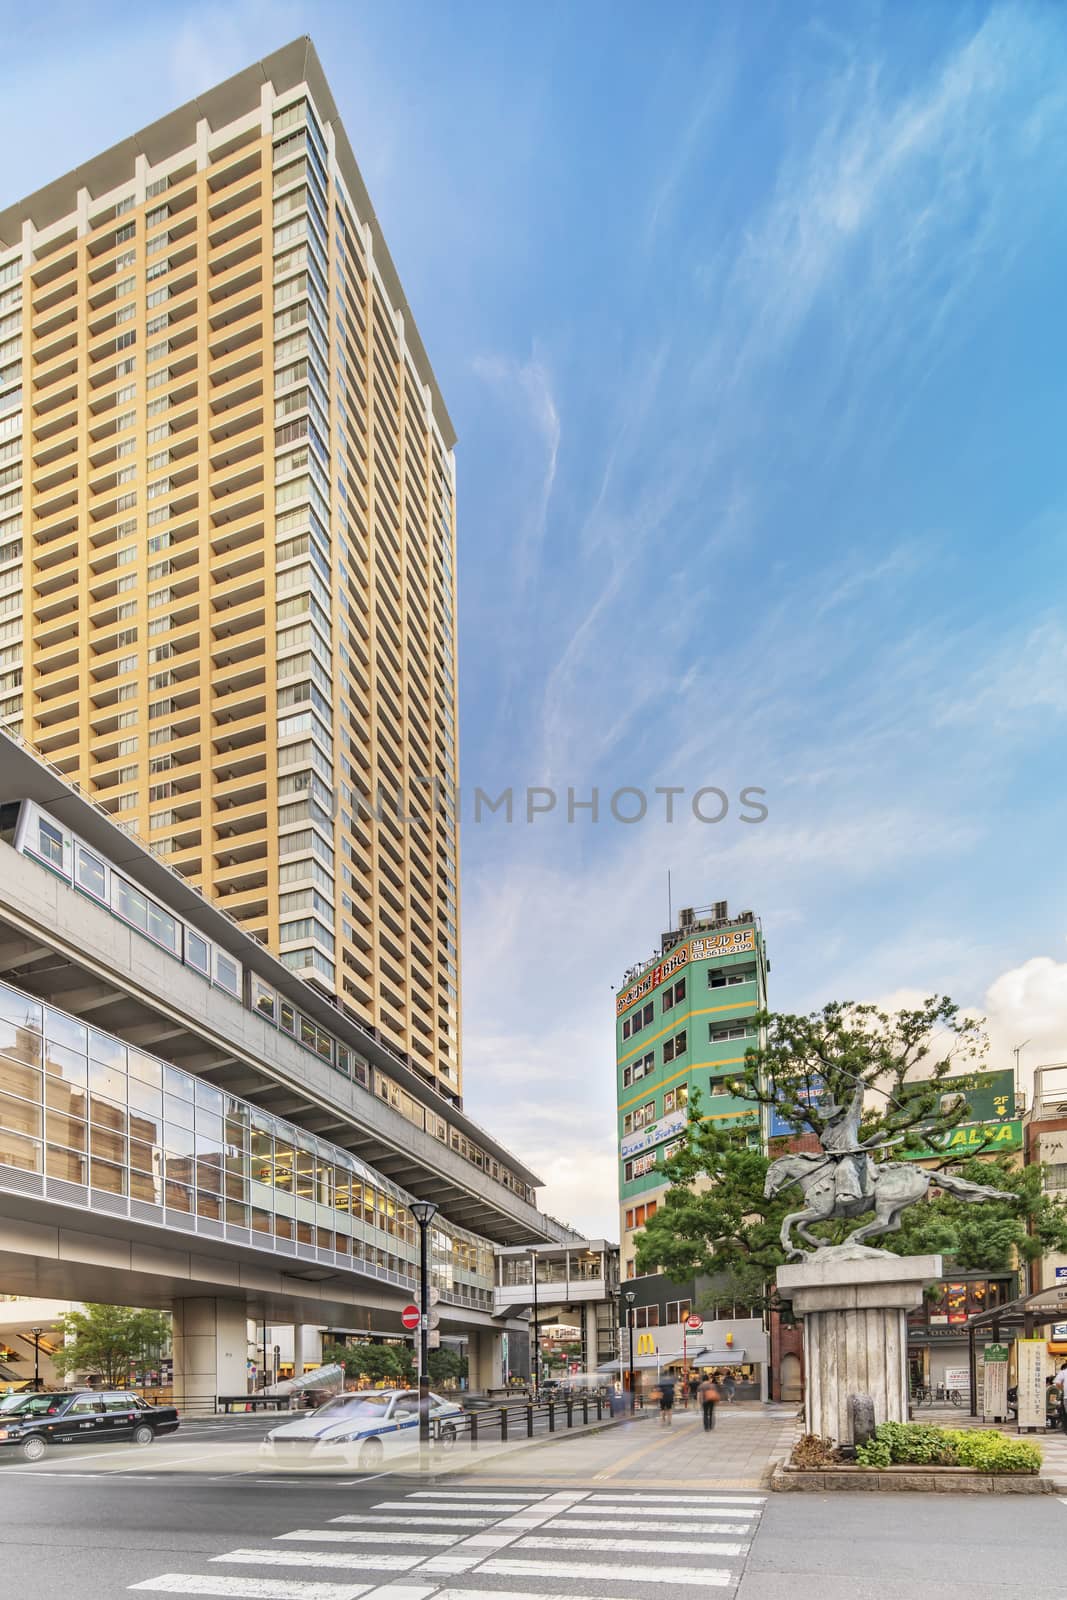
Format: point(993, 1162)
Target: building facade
point(227, 535)
point(683, 1020)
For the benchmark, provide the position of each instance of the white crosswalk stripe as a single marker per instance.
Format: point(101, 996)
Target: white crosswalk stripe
point(476, 1544)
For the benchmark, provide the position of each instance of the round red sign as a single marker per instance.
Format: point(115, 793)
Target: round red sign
point(410, 1317)
point(693, 1323)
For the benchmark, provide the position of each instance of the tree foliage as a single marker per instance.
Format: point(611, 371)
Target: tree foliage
point(376, 1362)
point(106, 1341)
point(446, 1366)
point(714, 1220)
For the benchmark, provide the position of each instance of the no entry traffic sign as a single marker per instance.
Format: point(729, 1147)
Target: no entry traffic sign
point(410, 1317)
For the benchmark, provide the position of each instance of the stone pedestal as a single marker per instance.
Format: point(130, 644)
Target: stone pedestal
point(854, 1304)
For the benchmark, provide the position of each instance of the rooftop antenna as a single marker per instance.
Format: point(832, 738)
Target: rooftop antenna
point(670, 911)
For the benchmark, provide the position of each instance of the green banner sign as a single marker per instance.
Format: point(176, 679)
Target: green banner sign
point(996, 1352)
point(970, 1138)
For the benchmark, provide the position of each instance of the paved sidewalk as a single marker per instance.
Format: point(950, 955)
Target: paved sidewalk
point(739, 1453)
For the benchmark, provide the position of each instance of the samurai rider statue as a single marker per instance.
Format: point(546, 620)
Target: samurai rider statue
point(845, 1182)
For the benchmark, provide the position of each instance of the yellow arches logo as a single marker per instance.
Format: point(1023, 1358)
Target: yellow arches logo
point(646, 1344)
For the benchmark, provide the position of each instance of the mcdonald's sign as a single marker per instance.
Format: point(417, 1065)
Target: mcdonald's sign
point(646, 1344)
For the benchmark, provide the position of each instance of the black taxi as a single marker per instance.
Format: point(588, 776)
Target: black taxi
point(81, 1416)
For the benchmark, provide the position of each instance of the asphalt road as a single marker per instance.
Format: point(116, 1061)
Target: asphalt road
point(390, 1538)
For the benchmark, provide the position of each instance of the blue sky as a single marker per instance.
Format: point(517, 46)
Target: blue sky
point(751, 320)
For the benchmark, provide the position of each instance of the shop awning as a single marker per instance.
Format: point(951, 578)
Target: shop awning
point(715, 1358)
point(640, 1364)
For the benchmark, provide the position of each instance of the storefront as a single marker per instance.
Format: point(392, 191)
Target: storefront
point(938, 1345)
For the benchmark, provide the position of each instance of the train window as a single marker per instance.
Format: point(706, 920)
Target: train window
point(129, 903)
point(264, 999)
point(197, 952)
point(92, 876)
point(287, 1016)
point(227, 973)
point(344, 1060)
point(163, 928)
point(50, 843)
point(324, 1046)
point(308, 1032)
point(360, 1072)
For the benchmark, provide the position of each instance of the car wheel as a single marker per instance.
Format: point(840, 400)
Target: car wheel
point(371, 1454)
point(34, 1447)
point(143, 1434)
point(448, 1436)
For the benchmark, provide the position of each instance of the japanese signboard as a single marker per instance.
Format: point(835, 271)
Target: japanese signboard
point(995, 1385)
point(990, 1125)
point(645, 1138)
point(711, 946)
point(1032, 1359)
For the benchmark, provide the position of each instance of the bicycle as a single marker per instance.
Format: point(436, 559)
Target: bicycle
point(922, 1395)
point(954, 1397)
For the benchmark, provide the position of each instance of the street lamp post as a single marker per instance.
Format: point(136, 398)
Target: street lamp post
point(424, 1212)
point(37, 1332)
point(630, 1298)
point(535, 1353)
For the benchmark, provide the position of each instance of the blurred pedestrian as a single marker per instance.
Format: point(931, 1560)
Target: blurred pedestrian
point(666, 1401)
point(710, 1395)
point(729, 1388)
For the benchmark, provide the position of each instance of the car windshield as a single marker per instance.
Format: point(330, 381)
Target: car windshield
point(39, 1405)
point(14, 1402)
point(362, 1405)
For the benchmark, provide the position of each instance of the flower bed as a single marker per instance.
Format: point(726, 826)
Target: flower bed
point(916, 1444)
point(914, 1457)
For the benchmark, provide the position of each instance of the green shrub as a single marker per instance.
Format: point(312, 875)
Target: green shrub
point(916, 1444)
point(874, 1454)
point(988, 1451)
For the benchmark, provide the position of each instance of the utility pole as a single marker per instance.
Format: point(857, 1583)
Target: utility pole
point(37, 1332)
point(424, 1212)
point(630, 1297)
point(536, 1350)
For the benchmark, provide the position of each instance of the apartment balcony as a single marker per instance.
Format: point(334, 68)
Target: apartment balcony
point(241, 791)
point(241, 819)
point(233, 717)
point(58, 605)
point(239, 739)
point(55, 717)
point(237, 680)
point(238, 853)
point(235, 621)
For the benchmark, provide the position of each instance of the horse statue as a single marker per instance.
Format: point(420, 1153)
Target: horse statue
point(843, 1181)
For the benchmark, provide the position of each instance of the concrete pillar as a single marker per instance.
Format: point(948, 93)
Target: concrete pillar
point(485, 1363)
point(589, 1336)
point(854, 1304)
point(210, 1351)
point(307, 1347)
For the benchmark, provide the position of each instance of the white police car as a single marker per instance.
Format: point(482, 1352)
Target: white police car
point(360, 1428)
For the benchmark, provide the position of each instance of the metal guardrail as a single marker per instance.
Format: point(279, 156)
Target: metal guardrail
point(504, 1422)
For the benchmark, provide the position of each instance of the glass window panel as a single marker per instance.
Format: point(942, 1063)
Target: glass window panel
point(143, 1156)
point(264, 999)
point(210, 1128)
point(18, 1151)
point(111, 1052)
point(67, 1164)
point(92, 876)
point(20, 1116)
point(70, 1131)
point(102, 1175)
point(146, 1186)
point(236, 1134)
point(236, 1186)
point(236, 1214)
point(107, 1114)
point(66, 1064)
point(227, 972)
point(180, 1169)
point(111, 1146)
point(305, 1174)
point(178, 1198)
point(129, 903)
point(324, 1238)
point(208, 1098)
point(148, 1129)
point(197, 952)
point(68, 1097)
point(283, 1226)
point(107, 1081)
point(177, 1112)
point(305, 1233)
point(209, 1205)
point(178, 1083)
point(283, 1167)
point(164, 928)
point(146, 1069)
point(17, 1078)
point(209, 1174)
point(287, 1016)
point(19, 1010)
point(59, 1029)
point(142, 1098)
point(179, 1141)
point(262, 1221)
point(20, 1044)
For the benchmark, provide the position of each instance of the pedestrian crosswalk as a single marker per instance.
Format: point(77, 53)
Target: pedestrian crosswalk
point(478, 1544)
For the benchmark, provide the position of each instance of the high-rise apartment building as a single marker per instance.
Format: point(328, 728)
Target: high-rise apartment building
point(683, 1022)
point(227, 533)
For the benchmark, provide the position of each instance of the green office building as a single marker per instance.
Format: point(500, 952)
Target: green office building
point(683, 1021)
